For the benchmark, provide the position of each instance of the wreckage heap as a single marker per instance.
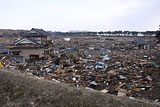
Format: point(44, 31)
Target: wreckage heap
point(97, 63)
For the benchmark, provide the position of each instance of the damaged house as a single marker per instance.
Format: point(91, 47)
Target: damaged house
point(32, 46)
point(140, 44)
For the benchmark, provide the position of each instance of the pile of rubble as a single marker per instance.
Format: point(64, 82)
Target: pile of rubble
point(129, 73)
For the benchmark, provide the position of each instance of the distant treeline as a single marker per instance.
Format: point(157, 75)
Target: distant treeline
point(108, 33)
point(11, 33)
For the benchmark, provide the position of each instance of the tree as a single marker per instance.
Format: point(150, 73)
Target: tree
point(158, 35)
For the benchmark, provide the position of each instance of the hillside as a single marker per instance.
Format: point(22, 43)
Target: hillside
point(20, 90)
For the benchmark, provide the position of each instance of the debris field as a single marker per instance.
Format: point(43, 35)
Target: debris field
point(105, 64)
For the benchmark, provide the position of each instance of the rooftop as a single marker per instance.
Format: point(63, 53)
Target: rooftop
point(36, 32)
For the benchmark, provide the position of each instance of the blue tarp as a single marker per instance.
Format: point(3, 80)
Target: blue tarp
point(52, 66)
point(70, 48)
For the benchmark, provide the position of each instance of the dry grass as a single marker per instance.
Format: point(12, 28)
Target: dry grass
point(20, 90)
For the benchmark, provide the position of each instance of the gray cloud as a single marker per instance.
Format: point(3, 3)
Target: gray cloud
point(80, 15)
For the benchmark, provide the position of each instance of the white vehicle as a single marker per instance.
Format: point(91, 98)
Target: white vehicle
point(101, 65)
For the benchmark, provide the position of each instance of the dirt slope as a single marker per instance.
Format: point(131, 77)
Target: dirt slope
point(20, 90)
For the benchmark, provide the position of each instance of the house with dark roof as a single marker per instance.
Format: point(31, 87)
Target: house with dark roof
point(32, 46)
point(38, 35)
point(140, 44)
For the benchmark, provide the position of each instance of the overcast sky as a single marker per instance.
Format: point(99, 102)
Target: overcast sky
point(91, 15)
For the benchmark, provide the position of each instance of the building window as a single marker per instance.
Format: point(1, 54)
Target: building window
point(37, 39)
point(15, 52)
point(34, 57)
